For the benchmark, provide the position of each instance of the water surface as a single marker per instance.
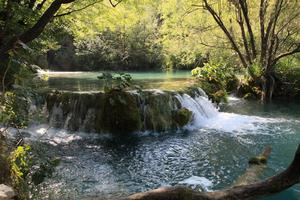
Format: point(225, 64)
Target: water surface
point(217, 150)
point(88, 81)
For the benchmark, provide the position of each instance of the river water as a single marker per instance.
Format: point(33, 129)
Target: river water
point(208, 154)
point(88, 81)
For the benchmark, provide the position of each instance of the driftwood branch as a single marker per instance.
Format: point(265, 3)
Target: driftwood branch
point(272, 185)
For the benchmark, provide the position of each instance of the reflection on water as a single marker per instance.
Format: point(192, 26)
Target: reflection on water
point(87, 81)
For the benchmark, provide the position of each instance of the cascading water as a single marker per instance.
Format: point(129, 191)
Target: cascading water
point(201, 107)
point(152, 110)
point(109, 166)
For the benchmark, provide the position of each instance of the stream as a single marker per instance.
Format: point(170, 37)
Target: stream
point(208, 154)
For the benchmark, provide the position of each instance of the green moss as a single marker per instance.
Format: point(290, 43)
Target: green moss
point(219, 96)
point(120, 112)
point(182, 117)
point(158, 112)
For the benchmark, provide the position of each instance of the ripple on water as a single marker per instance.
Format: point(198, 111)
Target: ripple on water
point(107, 166)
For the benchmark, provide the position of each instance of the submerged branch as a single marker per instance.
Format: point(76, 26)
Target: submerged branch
point(272, 185)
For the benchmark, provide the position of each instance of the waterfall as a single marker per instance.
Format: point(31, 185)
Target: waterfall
point(149, 110)
point(201, 107)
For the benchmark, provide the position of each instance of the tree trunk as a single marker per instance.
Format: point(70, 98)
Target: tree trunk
point(267, 86)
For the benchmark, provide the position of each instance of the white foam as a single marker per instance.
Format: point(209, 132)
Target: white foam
point(194, 181)
point(201, 107)
point(54, 136)
point(207, 116)
point(237, 124)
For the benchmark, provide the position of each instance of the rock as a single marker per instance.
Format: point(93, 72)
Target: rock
point(121, 112)
point(182, 116)
point(158, 111)
point(219, 96)
point(6, 192)
point(249, 96)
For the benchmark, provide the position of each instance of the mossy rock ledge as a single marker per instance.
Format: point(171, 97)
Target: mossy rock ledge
point(117, 111)
point(121, 112)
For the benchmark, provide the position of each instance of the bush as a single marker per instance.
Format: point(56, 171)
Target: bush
point(219, 74)
point(110, 50)
point(119, 81)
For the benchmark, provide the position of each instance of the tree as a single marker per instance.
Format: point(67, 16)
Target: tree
point(260, 32)
point(23, 21)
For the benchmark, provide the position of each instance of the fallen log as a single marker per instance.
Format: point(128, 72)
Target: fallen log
point(272, 185)
point(256, 167)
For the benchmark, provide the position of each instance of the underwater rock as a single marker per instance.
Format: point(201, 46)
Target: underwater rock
point(258, 160)
point(249, 96)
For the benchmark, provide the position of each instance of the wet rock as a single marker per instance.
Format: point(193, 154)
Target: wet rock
point(249, 96)
point(6, 192)
point(158, 109)
point(121, 112)
point(182, 116)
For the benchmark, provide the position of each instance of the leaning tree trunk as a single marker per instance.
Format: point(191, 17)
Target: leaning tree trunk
point(270, 186)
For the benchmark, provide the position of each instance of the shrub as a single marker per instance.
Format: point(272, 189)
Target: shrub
point(219, 74)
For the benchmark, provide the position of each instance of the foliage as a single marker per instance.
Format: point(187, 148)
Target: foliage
point(4, 165)
point(13, 110)
point(255, 70)
point(134, 49)
point(119, 81)
point(216, 79)
point(15, 104)
point(21, 163)
point(288, 73)
point(217, 73)
point(27, 171)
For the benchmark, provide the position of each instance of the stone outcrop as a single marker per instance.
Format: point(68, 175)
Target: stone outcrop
point(6, 192)
point(118, 111)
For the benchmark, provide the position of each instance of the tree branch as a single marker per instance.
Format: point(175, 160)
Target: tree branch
point(37, 28)
point(294, 51)
point(244, 8)
point(77, 10)
point(40, 5)
point(225, 30)
point(244, 37)
point(114, 5)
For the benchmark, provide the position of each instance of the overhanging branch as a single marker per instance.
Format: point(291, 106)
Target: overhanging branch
point(37, 28)
point(114, 4)
point(77, 10)
point(294, 51)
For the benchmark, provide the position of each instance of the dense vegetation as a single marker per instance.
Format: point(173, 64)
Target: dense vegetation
point(250, 47)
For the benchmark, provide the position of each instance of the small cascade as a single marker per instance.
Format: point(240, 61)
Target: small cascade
point(148, 110)
point(201, 107)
